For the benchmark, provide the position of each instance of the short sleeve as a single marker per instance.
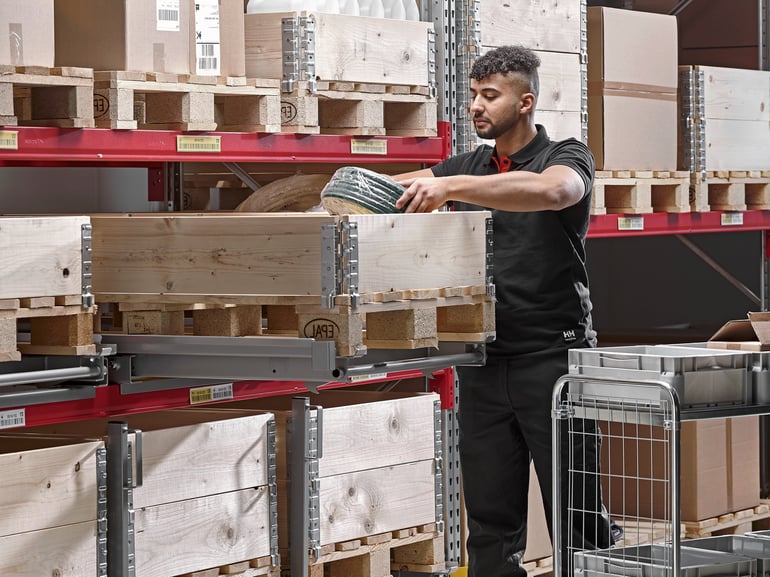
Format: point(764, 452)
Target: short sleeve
point(577, 156)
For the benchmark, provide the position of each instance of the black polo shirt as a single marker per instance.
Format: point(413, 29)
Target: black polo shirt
point(540, 276)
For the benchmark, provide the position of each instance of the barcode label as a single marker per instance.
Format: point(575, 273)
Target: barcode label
point(732, 218)
point(14, 418)
point(212, 393)
point(631, 223)
point(368, 146)
point(361, 378)
point(170, 15)
point(9, 140)
point(167, 15)
point(207, 38)
point(207, 64)
point(198, 143)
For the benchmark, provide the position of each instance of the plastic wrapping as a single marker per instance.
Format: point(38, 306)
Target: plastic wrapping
point(355, 190)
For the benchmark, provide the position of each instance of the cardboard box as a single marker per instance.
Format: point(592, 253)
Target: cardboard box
point(632, 89)
point(141, 35)
point(636, 458)
point(29, 32)
point(217, 38)
point(750, 334)
point(538, 537)
point(743, 467)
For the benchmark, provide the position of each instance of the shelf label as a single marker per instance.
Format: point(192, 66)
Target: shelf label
point(631, 223)
point(14, 418)
point(9, 140)
point(362, 378)
point(732, 218)
point(213, 393)
point(368, 146)
point(185, 143)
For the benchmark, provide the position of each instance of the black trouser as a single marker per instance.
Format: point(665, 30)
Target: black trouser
point(505, 420)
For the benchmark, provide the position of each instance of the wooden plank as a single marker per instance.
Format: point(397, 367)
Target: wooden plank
point(735, 94)
point(40, 256)
point(68, 551)
point(538, 24)
point(434, 250)
point(347, 48)
point(737, 144)
point(189, 454)
point(370, 435)
point(377, 500)
point(46, 487)
point(186, 536)
point(206, 254)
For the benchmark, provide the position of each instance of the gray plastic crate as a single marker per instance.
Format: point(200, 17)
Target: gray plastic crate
point(656, 561)
point(701, 377)
point(759, 364)
point(743, 545)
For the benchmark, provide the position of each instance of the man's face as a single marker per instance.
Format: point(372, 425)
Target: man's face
point(496, 103)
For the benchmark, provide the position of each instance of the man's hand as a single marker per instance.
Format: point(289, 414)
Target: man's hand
point(422, 194)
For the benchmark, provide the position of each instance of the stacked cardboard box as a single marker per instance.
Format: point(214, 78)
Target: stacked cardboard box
point(719, 469)
point(632, 89)
point(176, 36)
point(29, 31)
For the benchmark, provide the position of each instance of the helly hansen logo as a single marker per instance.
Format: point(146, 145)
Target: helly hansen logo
point(569, 336)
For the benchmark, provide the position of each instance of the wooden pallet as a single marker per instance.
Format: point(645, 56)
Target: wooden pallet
point(640, 192)
point(57, 326)
point(39, 96)
point(417, 549)
point(359, 109)
point(162, 101)
point(645, 531)
point(735, 523)
point(539, 567)
point(254, 568)
point(396, 320)
point(733, 190)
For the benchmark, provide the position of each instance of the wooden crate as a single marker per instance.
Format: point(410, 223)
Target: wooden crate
point(347, 48)
point(538, 24)
point(377, 471)
point(205, 495)
point(159, 266)
point(42, 286)
point(49, 521)
point(725, 120)
point(41, 256)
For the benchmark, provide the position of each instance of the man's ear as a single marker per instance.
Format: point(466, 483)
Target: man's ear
point(527, 102)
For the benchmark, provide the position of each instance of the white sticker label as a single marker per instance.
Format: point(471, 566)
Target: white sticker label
point(362, 378)
point(167, 15)
point(732, 219)
point(207, 39)
point(631, 223)
point(14, 418)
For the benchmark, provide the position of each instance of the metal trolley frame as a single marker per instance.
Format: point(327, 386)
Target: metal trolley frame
point(648, 405)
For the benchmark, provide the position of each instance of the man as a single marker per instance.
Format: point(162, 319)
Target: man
point(539, 192)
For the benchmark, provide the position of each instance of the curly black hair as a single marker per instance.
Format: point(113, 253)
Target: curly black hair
point(508, 59)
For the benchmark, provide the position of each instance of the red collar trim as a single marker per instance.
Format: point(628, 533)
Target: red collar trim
point(503, 165)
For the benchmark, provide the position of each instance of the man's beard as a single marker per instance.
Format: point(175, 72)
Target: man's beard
point(492, 131)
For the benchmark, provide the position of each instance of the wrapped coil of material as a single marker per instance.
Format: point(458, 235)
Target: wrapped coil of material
point(354, 190)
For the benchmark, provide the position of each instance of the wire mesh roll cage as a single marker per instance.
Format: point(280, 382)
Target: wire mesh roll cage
point(639, 423)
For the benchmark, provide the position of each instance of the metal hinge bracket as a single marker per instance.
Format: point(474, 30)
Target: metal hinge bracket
point(439, 465)
point(85, 252)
